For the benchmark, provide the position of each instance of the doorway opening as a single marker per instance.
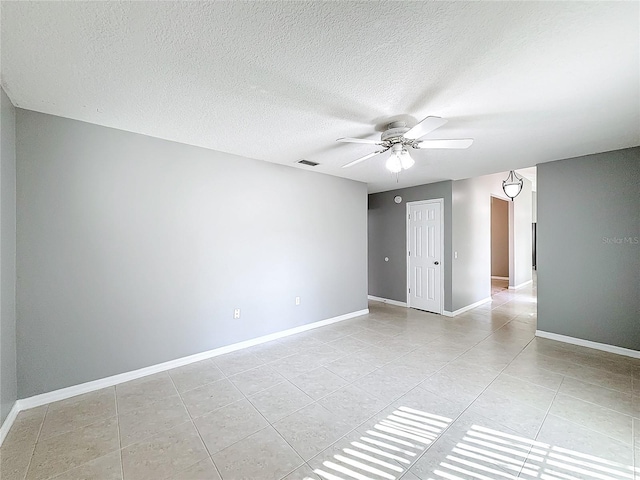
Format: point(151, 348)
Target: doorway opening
point(500, 248)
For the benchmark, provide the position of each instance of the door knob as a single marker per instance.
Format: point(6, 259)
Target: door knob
point(436, 263)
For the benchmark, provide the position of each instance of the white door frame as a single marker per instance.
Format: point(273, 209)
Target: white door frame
point(439, 201)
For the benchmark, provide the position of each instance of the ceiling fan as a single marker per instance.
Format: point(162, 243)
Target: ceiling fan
point(399, 138)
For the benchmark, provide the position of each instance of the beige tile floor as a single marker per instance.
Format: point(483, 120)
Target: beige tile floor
point(498, 285)
point(397, 393)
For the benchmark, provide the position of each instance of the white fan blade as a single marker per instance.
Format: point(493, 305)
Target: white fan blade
point(359, 140)
point(362, 159)
point(454, 143)
point(427, 125)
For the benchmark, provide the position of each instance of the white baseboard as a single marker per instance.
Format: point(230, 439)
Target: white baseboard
point(389, 301)
point(521, 285)
point(494, 277)
point(8, 422)
point(466, 309)
point(94, 385)
point(589, 344)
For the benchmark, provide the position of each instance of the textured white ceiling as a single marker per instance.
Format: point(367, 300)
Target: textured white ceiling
point(280, 81)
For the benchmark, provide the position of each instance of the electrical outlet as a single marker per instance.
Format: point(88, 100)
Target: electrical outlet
point(297, 300)
point(236, 313)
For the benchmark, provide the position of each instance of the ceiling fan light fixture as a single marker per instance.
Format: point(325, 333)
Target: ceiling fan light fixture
point(399, 159)
point(394, 164)
point(405, 159)
point(512, 186)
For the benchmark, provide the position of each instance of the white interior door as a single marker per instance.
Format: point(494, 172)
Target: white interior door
point(425, 255)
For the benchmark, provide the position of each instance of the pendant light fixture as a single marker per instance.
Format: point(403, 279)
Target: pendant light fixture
point(512, 186)
point(399, 159)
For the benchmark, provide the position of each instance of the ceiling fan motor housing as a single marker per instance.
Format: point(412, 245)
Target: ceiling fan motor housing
point(394, 133)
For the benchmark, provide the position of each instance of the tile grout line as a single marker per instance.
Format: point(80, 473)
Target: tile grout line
point(604, 372)
point(274, 428)
point(270, 424)
point(71, 431)
point(115, 395)
point(245, 397)
point(231, 403)
point(501, 372)
point(195, 428)
point(595, 404)
point(315, 401)
point(535, 438)
point(117, 418)
point(33, 453)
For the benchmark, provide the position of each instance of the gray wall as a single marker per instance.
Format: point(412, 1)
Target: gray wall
point(588, 250)
point(134, 250)
point(499, 237)
point(8, 385)
point(471, 241)
point(388, 238)
point(471, 230)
